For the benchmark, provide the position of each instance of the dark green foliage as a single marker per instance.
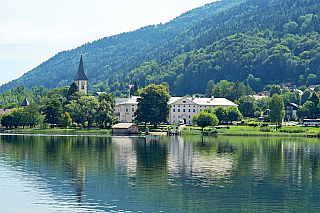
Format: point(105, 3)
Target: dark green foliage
point(153, 105)
point(275, 89)
point(276, 107)
point(107, 60)
point(52, 110)
point(246, 106)
point(305, 96)
point(209, 88)
point(265, 129)
point(303, 113)
point(106, 110)
point(312, 108)
point(258, 42)
point(31, 115)
point(72, 91)
point(204, 119)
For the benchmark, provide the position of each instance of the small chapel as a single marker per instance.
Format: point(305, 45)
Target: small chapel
point(81, 79)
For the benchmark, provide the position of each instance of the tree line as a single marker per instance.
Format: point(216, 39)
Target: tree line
point(62, 107)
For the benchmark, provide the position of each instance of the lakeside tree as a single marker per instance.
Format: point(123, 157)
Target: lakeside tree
point(106, 111)
point(276, 106)
point(89, 106)
point(246, 106)
point(275, 89)
point(31, 114)
point(305, 96)
point(303, 113)
point(53, 111)
point(204, 119)
point(233, 113)
point(66, 120)
point(312, 108)
point(221, 114)
point(153, 105)
point(72, 90)
point(209, 88)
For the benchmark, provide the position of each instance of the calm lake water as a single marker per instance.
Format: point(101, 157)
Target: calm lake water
point(171, 174)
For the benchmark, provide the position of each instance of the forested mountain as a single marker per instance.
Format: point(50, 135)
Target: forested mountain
point(107, 58)
point(257, 42)
point(274, 40)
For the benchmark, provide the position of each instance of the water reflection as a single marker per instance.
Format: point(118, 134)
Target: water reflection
point(171, 174)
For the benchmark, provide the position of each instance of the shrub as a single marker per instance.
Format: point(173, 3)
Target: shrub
point(252, 123)
point(289, 130)
point(213, 131)
point(265, 129)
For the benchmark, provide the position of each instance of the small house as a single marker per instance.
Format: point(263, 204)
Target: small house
point(291, 111)
point(125, 128)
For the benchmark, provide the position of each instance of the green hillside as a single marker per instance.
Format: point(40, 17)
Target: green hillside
point(106, 59)
point(276, 41)
point(258, 42)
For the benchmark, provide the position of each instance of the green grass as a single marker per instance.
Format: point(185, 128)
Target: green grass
point(62, 131)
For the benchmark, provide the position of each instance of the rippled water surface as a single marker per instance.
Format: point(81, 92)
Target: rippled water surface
point(170, 174)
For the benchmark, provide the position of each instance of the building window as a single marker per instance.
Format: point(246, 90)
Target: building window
point(178, 116)
point(178, 110)
point(174, 105)
point(178, 105)
point(173, 110)
point(174, 116)
point(189, 116)
point(132, 109)
point(189, 110)
point(184, 102)
point(127, 110)
point(184, 110)
point(194, 110)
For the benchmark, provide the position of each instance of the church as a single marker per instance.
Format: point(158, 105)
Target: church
point(81, 79)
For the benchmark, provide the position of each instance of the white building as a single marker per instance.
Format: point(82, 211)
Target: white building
point(183, 108)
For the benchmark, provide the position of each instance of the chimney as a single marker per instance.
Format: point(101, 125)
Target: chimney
point(212, 98)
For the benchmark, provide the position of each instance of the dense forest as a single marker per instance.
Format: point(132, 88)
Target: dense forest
point(257, 42)
point(107, 58)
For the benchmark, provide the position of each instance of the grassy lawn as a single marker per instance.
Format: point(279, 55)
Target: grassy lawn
point(62, 131)
point(251, 130)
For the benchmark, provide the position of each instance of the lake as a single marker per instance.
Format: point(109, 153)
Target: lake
point(47, 173)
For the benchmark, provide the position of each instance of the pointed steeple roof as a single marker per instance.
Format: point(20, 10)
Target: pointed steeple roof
point(81, 75)
point(25, 103)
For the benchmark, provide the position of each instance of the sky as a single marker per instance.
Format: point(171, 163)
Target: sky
point(33, 31)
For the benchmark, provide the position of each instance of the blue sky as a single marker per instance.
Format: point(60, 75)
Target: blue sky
point(33, 31)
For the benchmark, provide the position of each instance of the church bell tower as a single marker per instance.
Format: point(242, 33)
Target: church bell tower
point(81, 79)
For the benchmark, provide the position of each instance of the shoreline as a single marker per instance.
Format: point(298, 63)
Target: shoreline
point(103, 132)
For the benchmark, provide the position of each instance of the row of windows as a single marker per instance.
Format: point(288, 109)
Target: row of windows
point(174, 121)
point(127, 109)
point(185, 105)
point(180, 116)
point(183, 110)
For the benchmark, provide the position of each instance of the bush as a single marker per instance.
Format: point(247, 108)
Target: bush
point(213, 131)
point(265, 129)
point(252, 123)
point(289, 130)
